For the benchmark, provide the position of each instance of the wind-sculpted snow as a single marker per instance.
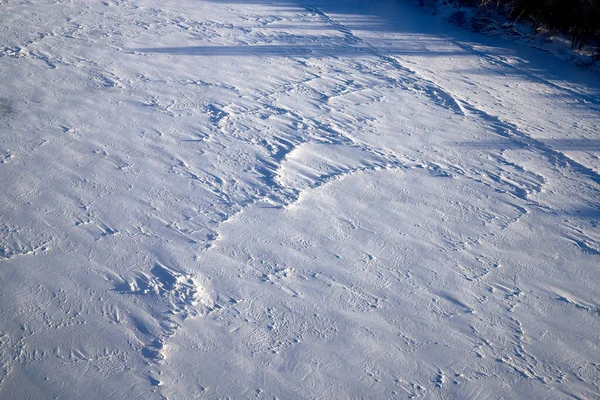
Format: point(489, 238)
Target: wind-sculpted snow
point(315, 199)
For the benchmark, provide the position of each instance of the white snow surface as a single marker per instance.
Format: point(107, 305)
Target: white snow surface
point(279, 199)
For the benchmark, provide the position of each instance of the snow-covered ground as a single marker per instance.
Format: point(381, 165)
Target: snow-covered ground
point(315, 199)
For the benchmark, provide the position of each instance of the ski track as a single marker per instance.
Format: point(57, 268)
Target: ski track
point(164, 220)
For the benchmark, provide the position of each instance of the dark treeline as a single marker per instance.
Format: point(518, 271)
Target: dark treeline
point(579, 18)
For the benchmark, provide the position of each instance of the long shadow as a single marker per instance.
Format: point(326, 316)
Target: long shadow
point(589, 145)
point(288, 51)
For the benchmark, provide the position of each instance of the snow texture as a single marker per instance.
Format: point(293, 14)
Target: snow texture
point(279, 199)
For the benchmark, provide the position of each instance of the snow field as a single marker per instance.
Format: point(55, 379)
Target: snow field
point(296, 200)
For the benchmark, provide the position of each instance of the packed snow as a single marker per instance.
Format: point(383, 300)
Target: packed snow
point(279, 199)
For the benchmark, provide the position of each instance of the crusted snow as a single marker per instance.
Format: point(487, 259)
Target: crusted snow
point(279, 199)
